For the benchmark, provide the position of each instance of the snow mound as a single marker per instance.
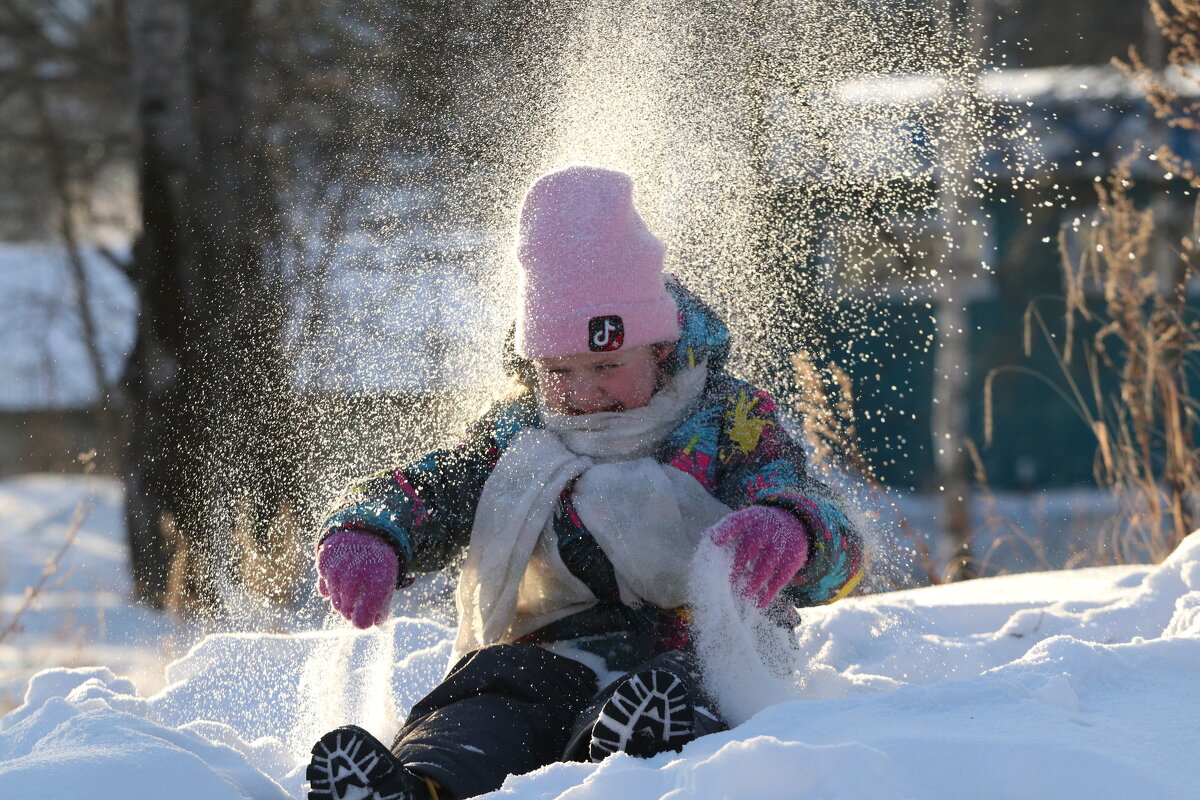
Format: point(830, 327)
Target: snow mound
point(236, 720)
point(1062, 684)
point(84, 733)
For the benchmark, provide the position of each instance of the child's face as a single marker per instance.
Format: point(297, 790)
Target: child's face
point(591, 382)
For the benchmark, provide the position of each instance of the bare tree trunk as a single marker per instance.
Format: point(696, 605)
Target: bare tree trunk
point(210, 401)
point(760, 88)
point(951, 362)
point(158, 33)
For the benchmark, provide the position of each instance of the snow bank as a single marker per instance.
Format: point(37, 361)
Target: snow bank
point(84, 733)
point(235, 721)
point(1078, 684)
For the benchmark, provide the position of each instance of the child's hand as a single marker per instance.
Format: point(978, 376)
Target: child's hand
point(771, 546)
point(358, 572)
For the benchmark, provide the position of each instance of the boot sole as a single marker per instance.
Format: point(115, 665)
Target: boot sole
point(649, 713)
point(349, 763)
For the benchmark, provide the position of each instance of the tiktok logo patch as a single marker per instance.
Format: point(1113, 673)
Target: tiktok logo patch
point(605, 333)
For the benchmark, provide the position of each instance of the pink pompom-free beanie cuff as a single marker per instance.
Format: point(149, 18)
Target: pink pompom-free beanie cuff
point(591, 271)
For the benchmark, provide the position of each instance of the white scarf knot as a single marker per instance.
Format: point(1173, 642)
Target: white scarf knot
point(647, 517)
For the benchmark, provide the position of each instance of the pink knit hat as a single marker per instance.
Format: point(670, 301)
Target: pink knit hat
point(591, 271)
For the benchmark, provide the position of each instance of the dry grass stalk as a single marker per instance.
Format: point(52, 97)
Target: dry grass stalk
point(272, 568)
point(1179, 22)
point(1006, 527)
point(1146, 455)
point(825, 404)
point(82, 510)
point(1145, 434)
point(189, 565)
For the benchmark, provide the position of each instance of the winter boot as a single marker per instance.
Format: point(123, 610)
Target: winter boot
point(350, 764)
point(650, 711)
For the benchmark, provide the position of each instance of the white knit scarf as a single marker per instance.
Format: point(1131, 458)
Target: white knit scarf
point(647, 517)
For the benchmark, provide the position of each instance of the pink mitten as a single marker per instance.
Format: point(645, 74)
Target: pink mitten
point(358, 572)
point(771, 547)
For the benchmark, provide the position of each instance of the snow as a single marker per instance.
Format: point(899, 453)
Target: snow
point(1071, 122)
point(399, 330)
point(42, 354)
point(1063, 83)
point(1054, 684)
point(385, 329)
point(85, 614)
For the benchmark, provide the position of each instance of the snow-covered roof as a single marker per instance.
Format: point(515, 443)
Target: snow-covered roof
point(420, 312)
point(1045, 85)
point(411, 316)
point(1070, 121)
point(43, 359)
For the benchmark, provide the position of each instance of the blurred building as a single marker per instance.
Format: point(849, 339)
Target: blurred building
point(1050, 135)
point(49, 390)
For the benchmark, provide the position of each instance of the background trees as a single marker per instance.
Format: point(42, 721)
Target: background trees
point(275, 142)
point(261, 127)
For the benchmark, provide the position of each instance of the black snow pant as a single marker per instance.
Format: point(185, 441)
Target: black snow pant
point(505, 710)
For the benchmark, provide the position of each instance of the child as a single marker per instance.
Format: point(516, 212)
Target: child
point(580, 505)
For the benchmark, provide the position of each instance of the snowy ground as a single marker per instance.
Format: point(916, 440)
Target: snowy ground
point(84, 614)
point(1063, 684)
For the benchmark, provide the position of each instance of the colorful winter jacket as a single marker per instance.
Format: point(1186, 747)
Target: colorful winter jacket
point(732, 443)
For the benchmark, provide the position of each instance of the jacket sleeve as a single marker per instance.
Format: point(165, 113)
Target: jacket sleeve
point(425, 508)
point(760, 463)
